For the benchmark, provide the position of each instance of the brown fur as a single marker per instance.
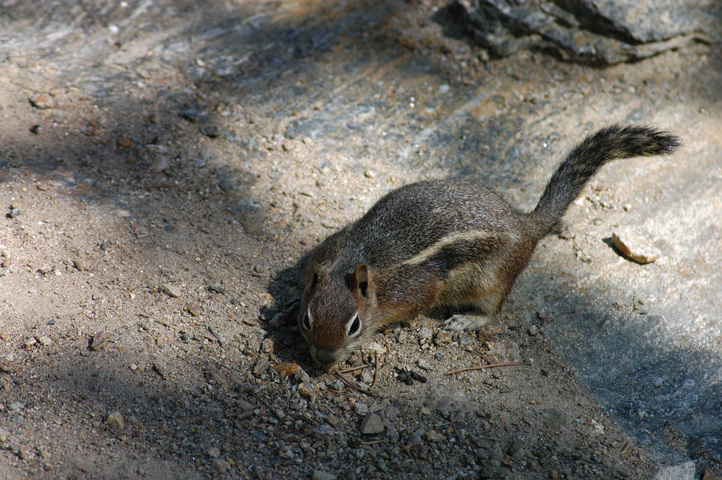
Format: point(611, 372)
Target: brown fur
point(441, 243)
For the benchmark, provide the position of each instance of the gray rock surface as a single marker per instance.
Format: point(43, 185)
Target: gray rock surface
point(606, 31)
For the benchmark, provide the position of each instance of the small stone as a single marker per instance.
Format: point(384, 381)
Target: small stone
point(81, 265)
point(307, 391)
point(269, 346)
point(360, 408)
point(194, 310)
point(287, 369)
point(160, 370)
point(434, 436)
point(210, 129)
point(423, 364)
point(635, 246)
point(415, 440)
point(9, 367)
point(333, 420)
point(29, 343)
point(372, 424)
point(42, 101)
point(221, 465)
point(160, 164)
point(44, 340)
point(533, 330)
point(115, 420)
point(321, 475)
point(682, 471)
point(172, 290)
point(100, 341)
point(261, 365)
point(217, 288)
point(425, 334)
point(369, 174)
point(14, 212)
point(443, 337)
point(286, 452)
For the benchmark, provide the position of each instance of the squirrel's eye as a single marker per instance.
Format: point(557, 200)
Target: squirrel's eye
point(355, 326)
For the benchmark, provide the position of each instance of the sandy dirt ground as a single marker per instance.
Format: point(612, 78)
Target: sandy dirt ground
point(164, 167)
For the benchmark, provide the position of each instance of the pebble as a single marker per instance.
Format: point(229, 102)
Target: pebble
point(360, 408)
point(287, 369)
point(221, 465)
point(635, 246)
point(81, 265)
point(9, 367)
point(159, 369)
point(434, 436)
point(100, 341)
point(415, 440)
point(425, 333)
point(172, 290)
point(42, 101)
point(372, 424)
point(44, 340)
point(682, 471)
point(160, 164)
point(321, 475)
point(261, 365)
point(217, 288)
point(14, 212)
point(333, 420)
point(423, 364)
point(210, 129)
point(307, 391)
point(213, 452)
point(443, 337)
point(269, 346)
point(115, 420)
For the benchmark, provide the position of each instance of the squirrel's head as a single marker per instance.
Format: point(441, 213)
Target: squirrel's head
point(336, 313)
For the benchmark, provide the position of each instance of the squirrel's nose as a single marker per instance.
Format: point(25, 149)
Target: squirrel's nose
point(327, 358)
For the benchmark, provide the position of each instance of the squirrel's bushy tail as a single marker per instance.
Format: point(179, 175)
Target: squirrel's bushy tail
point(587, 158)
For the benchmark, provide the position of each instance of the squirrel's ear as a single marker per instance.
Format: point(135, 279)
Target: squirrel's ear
point(322, 269)
point(319, 273)
point(362, 282)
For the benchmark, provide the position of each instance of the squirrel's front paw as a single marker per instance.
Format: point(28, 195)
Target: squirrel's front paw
point(464, 322)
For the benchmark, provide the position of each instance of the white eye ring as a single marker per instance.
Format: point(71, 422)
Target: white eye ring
point(307, 321)
point(353, 326)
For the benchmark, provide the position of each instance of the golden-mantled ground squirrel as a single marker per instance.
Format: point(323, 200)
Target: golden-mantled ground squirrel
point(442, 243)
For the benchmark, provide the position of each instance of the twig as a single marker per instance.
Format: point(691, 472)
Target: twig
point(491, 365)
point(372, 442)
point(376, 370)
point(350, 384)
point(353, 369)
point(275, 413)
